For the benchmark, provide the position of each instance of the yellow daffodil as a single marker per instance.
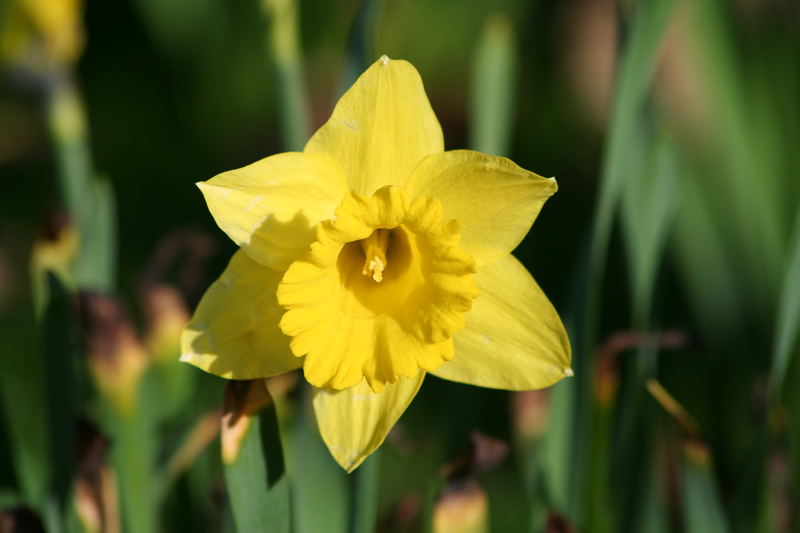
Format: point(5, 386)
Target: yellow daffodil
point(372, 258)
point(42, 32)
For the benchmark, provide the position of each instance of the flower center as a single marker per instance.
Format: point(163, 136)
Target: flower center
point(380, 293)
point(378, 279)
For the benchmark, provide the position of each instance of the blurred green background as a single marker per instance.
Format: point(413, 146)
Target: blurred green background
point(672, 251)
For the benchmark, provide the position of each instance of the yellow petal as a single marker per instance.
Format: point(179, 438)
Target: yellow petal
point(495, 200)
point(270, 208)
point(514, 338)
point(355, 421)
point(382, 127)
point(234, 331)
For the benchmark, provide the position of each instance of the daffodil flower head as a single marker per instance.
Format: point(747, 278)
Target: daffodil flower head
point(42, 33)
point(372, 258)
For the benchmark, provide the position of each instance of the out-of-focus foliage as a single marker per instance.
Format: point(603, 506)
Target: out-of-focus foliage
point(672, 249)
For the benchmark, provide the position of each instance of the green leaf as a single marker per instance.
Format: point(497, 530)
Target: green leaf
point(287, 56)
point(648, 209)
point(317, 481)
point(788, 319)
point(654, 512)
point(493, 82)
point(23, 403)
point(61, 380)
point(701, 503)
point(95, 266)
point(637, 64)
point(252, 459)
point(555, 457)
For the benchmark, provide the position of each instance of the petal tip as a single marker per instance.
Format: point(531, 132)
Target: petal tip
point(350, 467)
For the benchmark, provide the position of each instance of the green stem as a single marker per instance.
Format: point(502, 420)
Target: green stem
point(364, 501)
point(132, 431)
point(285, 48)
point(89, 201)
point(492, 94)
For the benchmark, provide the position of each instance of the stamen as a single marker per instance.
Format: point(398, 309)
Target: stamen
point(375, 261)
point(376, 266)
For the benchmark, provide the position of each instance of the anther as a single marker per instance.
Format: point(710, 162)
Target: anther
point(375, 266)
point(375, 247)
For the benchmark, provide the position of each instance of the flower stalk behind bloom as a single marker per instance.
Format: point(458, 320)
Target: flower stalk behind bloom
point(372, 258)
